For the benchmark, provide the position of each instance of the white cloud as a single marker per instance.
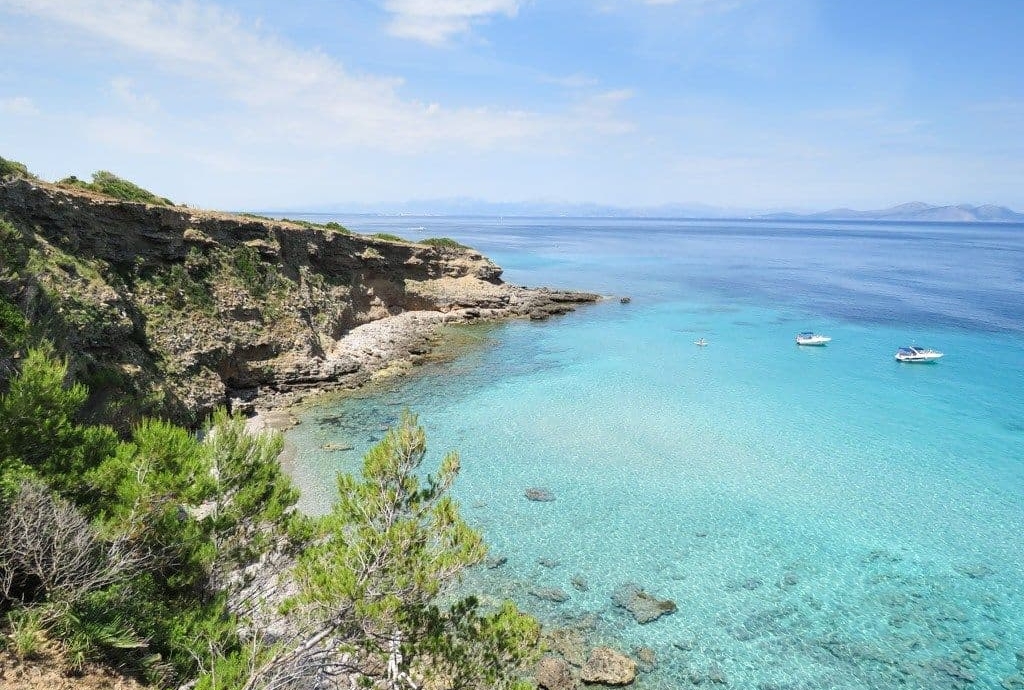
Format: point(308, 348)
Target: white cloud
point(267, 91)
point(124, 90)
point(700, 6)
point(18, 105)
point(437, 21)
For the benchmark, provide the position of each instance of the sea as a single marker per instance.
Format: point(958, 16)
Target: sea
point(822, 517)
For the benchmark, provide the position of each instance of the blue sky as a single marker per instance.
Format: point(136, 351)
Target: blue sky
point(769, 104)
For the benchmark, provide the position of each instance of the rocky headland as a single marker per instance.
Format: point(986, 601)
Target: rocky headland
point(172, 311)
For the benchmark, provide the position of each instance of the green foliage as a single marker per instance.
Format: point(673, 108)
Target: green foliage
point(148, 487)
point(104, 182)
point(13, 328)
point(389, 547)
point(388, 236)
point(187, 507)
point(257, 276)
point(40, 433)
point(188, 284)
point(337, 227)
point(474, 650)
point(254, 499)
point(443, 242)
point(13, 250)
point(9, 168)
point(27, 636)
point(330, 225)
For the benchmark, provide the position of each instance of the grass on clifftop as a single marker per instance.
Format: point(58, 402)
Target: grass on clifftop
point(388, 237)
point(109, 184)
point(444, 242)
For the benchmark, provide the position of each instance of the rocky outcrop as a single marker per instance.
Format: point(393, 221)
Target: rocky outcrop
point(555, 674)
point(179, 310)
point(608, 667)
point(643, 606)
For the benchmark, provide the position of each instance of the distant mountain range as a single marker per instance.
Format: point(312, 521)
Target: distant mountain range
point(465, 206)
point(962, 213)
point(915, 211)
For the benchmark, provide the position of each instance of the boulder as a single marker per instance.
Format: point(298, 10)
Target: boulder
point(608, 667)
point(555, 674)
point(643, 606)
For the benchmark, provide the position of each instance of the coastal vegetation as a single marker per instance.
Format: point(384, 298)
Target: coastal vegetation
point(444, 242)
point(143, 527)
point(139, 551)
point(9, 168)
point(388, 236)
point(109, 184)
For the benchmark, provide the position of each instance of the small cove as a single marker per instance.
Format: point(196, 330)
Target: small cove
point(822, 517)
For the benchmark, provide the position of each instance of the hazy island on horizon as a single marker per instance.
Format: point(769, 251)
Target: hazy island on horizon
point(463, 206)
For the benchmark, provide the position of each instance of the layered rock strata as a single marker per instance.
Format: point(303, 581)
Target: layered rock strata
point(182, 310)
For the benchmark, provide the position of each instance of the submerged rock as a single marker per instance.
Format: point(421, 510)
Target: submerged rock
point(555, 674)
point(625, 300)
point(975, 571)
point(647, 659)
point(550, 594)
point(496, 561)
point(549, 562)
point(579, 583)
point(535, 493)
point(570, 643)
point(608, 667)
point(1014, 682)
point(643, 606)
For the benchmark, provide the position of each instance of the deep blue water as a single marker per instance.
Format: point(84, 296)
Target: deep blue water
point(823, 517)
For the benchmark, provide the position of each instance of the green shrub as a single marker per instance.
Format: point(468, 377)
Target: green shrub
point(26, 637)
point(13, 251)
point(445, 242)
point(337, 227)
point(254, 273)
point(9, 168)
point(104, 182)
point(13, 328)
point(388, 236)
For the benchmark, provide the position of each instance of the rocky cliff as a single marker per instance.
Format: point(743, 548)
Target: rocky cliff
point(172, 311)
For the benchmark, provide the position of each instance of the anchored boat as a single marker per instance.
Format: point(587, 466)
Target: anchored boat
point(913, 353)
point(809, 338)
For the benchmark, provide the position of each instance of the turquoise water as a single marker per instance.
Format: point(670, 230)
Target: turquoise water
point(823, 517)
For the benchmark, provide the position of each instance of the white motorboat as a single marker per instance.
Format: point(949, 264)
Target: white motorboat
point(913, 353)
point(809, 338)
point(701, 342)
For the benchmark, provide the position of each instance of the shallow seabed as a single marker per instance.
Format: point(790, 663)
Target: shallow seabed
point(823, 517)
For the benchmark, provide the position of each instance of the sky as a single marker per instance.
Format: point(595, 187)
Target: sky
point(752, 104)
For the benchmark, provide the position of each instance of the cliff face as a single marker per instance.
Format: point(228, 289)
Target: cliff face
point(172, 311)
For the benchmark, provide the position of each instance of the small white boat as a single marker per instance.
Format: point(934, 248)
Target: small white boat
point(701, 342)
point(809, 338)
point(913, 353)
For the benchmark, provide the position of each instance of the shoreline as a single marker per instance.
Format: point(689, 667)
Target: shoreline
point(391, 347)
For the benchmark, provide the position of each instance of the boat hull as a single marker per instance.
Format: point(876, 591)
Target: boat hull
point(816, 341)
point(919, 359)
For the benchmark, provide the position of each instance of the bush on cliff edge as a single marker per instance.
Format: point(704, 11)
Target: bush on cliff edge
point(109, 184)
